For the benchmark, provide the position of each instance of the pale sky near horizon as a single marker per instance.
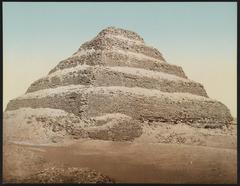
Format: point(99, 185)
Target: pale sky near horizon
point(201, 37)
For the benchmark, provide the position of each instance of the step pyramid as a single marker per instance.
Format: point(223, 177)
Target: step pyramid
point(118, 73)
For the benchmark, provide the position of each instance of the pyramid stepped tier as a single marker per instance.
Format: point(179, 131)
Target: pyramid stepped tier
point(118, 58)
point(118, 76)
point(117, 43)
point(138, 103)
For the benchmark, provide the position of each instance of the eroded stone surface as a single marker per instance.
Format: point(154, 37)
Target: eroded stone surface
point(139, 103)
point(118, 76)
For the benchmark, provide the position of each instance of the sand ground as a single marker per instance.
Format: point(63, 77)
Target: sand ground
point(128, 162)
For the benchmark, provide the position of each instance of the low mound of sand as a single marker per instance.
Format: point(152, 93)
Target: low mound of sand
point(115, 127)
point(42, 125)
point(68, 175)
point(157, 132)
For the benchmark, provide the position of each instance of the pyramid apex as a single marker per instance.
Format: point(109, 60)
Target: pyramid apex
point(120, 32)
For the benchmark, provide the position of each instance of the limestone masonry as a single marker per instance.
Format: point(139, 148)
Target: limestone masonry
point(114, 84)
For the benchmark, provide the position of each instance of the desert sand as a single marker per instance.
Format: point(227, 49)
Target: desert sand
point(127, 162)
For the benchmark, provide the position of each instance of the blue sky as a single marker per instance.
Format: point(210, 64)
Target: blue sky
point(200, 37)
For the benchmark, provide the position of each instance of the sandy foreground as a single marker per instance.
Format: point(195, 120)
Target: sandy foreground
point(126, 162)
